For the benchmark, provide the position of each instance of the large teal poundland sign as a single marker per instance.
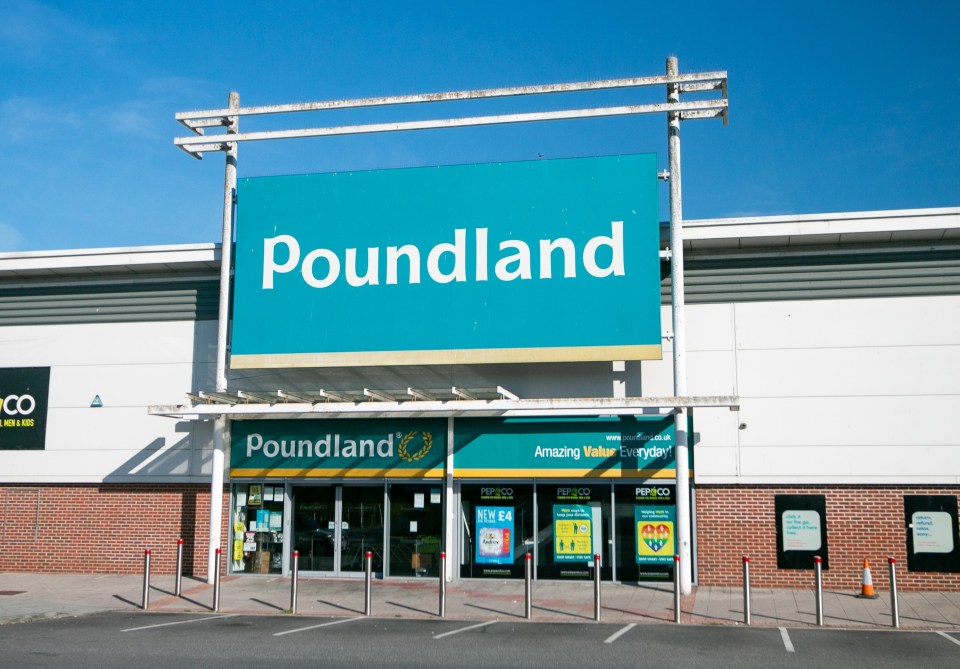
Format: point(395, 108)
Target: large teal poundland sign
point(515, 262)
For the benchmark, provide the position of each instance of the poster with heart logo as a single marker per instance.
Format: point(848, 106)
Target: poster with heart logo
point(655, 534)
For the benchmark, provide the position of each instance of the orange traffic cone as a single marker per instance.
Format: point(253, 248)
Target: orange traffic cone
point(866, 590)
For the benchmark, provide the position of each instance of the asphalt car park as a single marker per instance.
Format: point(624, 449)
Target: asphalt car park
point(146, 640)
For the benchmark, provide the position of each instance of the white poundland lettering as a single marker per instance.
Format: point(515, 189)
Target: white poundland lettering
point(327, 446)
point(322, 268)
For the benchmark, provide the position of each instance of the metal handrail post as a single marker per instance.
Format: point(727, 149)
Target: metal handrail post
point(746, 590)
point(216, 581)
point(528, 585)
point(294, 578)
point(145, 602)
point(676, 588)
point(443, 584)
point(368, 575)
point(894, 604)
point(177, 581)
point(818, 587)
point(596, 588)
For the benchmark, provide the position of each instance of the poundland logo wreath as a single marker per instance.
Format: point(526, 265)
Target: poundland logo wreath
point(409, 441)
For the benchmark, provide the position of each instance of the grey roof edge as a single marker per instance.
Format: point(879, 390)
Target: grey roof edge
point(817, 224)
point(131, 260)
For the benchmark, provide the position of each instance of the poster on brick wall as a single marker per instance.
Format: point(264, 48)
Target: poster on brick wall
point(933, 543)
point(801, 531)
point(23, 408)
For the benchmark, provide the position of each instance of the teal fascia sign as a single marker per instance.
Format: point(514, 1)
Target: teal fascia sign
point(549, 261)
point(618, 447)
point(332, 448)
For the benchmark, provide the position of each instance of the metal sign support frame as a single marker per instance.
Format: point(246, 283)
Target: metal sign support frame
point(199, 142)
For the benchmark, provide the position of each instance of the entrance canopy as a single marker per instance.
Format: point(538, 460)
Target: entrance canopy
point(413, 403)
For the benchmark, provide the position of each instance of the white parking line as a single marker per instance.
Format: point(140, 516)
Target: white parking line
point(786, 640)
point(464, 629)
point(181, 622)
point(616, 635)
point(948, 637)
point(313, 627)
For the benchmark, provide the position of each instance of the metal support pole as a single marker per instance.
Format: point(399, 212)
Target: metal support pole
point(596, 588)
point(367, 606)
point(528, 585)
point(677, 301)
point(746, 590)
point(145, 602)
point(176, 585)
point(818, 585)
point(216, 582)
point(676, 589)
point(220, 424)
point(894, 604)
point(443, 584)
point(294, 578)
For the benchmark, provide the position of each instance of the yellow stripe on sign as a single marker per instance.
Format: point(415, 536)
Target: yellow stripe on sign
point(447, 357)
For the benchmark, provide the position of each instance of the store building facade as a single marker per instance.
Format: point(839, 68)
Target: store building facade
point(838, 335)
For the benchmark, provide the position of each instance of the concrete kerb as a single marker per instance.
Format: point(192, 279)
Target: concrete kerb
point(29, 596)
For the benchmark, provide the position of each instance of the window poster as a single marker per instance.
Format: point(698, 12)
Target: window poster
point(932, 532)
point(573, 533)
point(932, 539)
point(494, 526)
point(255, 494)
point(656, 541)
point(801, 531)
point(24, 392)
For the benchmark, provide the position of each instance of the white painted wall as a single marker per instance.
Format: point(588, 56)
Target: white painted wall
point(860, 391)
point(130, 366)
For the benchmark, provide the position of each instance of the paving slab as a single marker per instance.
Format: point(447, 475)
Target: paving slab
point(27, 596)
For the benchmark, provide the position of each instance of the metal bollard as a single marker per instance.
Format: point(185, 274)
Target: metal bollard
point(294, 578)
point(176, 588)
point(367, 607)
point(746, 590)
point(818, 583)
point(146, 580)
point(443, 584)
point(528, 584)
point(676, 588)
point(894, 604)
point(216, 582)
point(596, 588)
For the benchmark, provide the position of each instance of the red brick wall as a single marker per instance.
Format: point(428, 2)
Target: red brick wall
point(104, 528)
point(863, 522)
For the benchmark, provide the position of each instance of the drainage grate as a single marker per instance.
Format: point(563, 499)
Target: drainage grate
point(12, 592)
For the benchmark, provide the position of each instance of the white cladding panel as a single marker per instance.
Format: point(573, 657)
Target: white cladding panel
point(129, 366)
point(855, 323)
point(836, 391)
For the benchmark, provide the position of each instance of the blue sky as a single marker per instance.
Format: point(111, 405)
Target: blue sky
point(835, 106)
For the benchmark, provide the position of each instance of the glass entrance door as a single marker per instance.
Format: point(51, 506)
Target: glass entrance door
point(335, 525)
point(361, 528)
point(315, 527)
